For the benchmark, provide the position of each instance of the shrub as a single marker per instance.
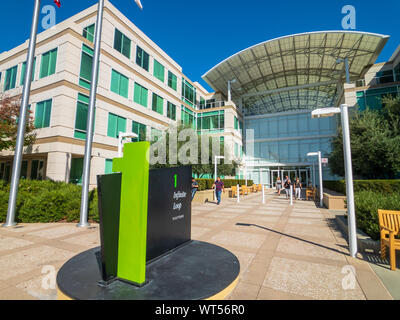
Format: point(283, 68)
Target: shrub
point(383, 186)
point(367, 203)
point(47, 201)
point(206, 184)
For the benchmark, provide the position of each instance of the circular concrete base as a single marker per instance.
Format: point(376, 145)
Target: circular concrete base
point(196, 271)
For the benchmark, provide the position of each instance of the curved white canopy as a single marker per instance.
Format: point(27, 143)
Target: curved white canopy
point(295, 72)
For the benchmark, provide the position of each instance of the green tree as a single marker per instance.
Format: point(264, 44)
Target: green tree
point(198, 168)
point(9, 114)
point(375, 143)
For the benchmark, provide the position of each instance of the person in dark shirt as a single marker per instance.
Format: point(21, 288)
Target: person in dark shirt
point(297, 189)
point(219, 187)
point(286, 185)
point(195, 187)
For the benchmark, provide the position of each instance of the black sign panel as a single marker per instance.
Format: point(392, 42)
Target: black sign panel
point(169, 210)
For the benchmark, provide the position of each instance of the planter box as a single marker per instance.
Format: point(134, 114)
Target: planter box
point(208, 195)
point(334, 200)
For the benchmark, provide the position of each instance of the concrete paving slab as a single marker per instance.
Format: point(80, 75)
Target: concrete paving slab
point(58, 232)
point(30, 259)
point(9, 243)
point(238, 239)
point(312, 249)
point(317, 281)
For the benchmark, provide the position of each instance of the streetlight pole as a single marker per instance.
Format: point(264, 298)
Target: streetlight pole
point(230, 89)
point(343, 110)
point(349, 180)
point(91, 113)
point(90, 120)
point(16, 171)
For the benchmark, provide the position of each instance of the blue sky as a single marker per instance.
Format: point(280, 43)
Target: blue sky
point(199, 34)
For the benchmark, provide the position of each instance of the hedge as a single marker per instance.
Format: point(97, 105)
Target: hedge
point(383, 186)
point(206, 184)
point(47, 201)
point(367, 203)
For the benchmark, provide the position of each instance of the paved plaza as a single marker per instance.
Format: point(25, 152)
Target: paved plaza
point(285, 252)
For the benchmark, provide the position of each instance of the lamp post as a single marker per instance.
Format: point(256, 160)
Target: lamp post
point(215, 172)
point(343, 110)
point(230, 89)
point(16, 170)
point(91, 114)
point(321, 189)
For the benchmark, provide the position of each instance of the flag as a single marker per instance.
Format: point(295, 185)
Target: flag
point(58, 3)
point(139, 4)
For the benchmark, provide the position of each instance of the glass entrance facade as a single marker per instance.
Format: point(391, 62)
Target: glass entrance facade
point(282, 141)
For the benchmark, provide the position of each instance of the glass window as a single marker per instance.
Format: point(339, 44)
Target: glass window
point(37, 170)
point(48, 64)
point(140, 95)
point(86, 67)
point(88, 32)
point(76, 171)
point(24, 169)
point(172, 80)
point(23, 71)
point(81, 116)
point(171, 111)
point(188, 93)
point(397, 72)
point(159, 70)
point(116, 124)
point(119, 84)
point(384, 76)
point(43, 113)
point(158, 104)
point(187, 117)
point(122, 43)
point(140, 130)
point(108, 167)
point(11, 78)
point(142, 58)
point(211, 121)
point(155, 134)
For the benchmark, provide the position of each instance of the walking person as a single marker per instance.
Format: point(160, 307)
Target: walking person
point(286, 185)
point(195, 187)
point(297, 189)
point(219, 187)
point(279, 185)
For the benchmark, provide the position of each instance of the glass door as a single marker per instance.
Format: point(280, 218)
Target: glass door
point(304, 176)
point(274, 176)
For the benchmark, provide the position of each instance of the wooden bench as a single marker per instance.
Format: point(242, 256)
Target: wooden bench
point(389, 224)
point(234, 191)
point(311, 192)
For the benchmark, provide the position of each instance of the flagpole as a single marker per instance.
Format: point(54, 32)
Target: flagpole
point(16, 171)
point(90, 120)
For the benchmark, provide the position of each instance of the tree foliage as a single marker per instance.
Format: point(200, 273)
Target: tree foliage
point(375, 143)
point(9, 115)
point(199, 168)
